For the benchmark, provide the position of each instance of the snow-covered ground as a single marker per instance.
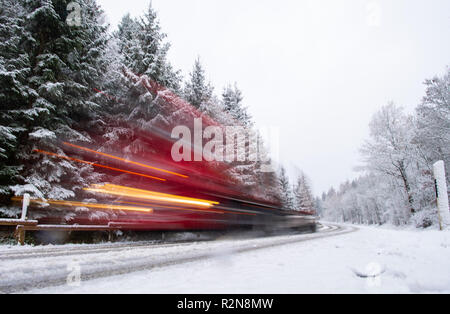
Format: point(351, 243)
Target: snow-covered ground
point(371, 260)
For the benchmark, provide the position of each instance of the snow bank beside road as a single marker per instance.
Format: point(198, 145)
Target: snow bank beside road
point(372, 260)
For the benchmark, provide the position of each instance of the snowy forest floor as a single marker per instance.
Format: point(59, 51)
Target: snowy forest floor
point(371, 260)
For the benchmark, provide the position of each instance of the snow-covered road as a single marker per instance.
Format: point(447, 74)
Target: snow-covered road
point(38, 267)
point(371, 260)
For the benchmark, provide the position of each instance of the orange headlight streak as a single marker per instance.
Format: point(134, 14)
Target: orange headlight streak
point(98, 165)
point(149, 195)
point(91, 205)
point(212, 211)
point(126, 160)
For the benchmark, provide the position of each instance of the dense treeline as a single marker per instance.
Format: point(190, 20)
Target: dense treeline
point(52, 69)
point(398, 184)
point(46, 70)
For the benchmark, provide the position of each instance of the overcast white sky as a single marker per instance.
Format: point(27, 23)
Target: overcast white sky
point(318, 69)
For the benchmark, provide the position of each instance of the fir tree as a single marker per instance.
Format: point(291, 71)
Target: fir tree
point(286, 191)
point(303, 196)
point(198, 90)
point(14, 91)
point(143, 49)
point(138, 56)
point(53, 97)
point(232, 103)
point(139, 47)
point(154, 47)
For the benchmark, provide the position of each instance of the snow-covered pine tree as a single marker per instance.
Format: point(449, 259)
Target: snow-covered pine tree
point(144, 49)
point(155, 49)
point(232, 103)
point(138, 47)
point(267, 182)
point(245, 168)
point(198, 90)
point(286, 190)
point(14, 89)
point(52, 94)
point(318, 206)
point(269, 187)
point(140, 51)
point(121, 95)
point(129, 45)
point(304, 200)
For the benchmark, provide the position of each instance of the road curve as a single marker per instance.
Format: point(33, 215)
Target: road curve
point(34, 268)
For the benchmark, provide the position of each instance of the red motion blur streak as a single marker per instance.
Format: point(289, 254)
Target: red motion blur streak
point(97, 165)
point(124, 191)
point(184, 204)
point(200, 172)
point(126, 160)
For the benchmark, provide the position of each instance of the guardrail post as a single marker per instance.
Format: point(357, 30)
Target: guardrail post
point(20, 235)
point(442, 195)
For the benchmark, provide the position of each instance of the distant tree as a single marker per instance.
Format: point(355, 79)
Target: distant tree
point(232, 103)
point(304, 199)
point(286, 190)
point(318, 205)
point(331, 193)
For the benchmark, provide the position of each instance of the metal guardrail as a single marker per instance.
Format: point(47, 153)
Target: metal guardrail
point(23, 224)
point(18, 222)
point(33, 225)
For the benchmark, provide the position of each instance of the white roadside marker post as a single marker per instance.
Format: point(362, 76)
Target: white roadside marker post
point(25, 204)
point(20, 232)
point(442, 195)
